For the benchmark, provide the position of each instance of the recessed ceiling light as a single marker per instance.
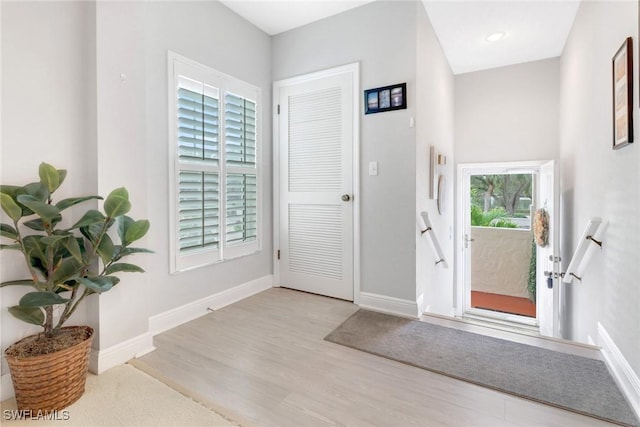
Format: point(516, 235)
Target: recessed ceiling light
point(495, 36)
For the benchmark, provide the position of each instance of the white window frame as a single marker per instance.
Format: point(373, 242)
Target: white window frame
point(177, 66)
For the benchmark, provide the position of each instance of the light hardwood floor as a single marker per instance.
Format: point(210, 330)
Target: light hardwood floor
point(263, 361)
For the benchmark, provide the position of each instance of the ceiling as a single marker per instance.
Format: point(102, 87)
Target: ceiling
point(534, 30)
point(277, 16)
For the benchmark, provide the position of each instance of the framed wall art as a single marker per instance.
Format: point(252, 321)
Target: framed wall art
point(623, 95)
point(385, 98)
point(433, 173)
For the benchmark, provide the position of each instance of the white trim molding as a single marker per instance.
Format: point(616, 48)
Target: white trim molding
point(102, 360)
point(105, 359)
point(390, 305)
point(622, 372)
point(421, 305)
point(175, 317)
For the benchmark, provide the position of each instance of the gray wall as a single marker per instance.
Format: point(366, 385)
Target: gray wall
point(598, 181)
point(382, 37)
point(508, 113)
point(204, 35)
point(64, 102)
point(46, 48)
point(434, 126)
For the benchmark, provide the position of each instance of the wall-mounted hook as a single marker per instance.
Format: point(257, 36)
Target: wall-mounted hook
point(597, 242)
point(580, 259)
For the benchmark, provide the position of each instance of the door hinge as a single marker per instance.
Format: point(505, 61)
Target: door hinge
point(278, 108)
point(278, 253)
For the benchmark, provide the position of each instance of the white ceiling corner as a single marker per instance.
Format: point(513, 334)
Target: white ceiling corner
point(277, 16)
point(535, 29)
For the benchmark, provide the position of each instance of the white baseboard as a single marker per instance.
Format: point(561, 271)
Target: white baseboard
point(102, 360)
point(175, 317)
point(420, 304)
point(622, 372)
point(390, 305)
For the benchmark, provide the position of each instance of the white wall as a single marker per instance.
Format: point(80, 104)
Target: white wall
point(598, 181)
point(382, 37)
point(213, 35)
point(508, 113)
point(45, 92)
point(434, 126)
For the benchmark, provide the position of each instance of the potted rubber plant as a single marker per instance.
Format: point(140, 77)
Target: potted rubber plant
point(65, 262)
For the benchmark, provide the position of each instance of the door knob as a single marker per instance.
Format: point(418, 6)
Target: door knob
point(346, 197)
point(467, 240)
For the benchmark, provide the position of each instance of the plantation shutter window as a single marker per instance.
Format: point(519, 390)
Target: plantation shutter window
point(241, 208)
point(240, 131)
point(214, 143)
point(198, 210)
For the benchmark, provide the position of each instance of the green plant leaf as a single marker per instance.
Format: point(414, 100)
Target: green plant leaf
point(89, 218)
point(68, 269)
point(131, 251)
point(14, 246)
point(105, 249)
point(49, 177)
point(52, 240)
point(41, 299)
point(37, 190)
point(117, 203)
point(67, 203)
point(8, 231)
point(14, 191)
point(33, 245)
point(32, 315)
point(10, 207)
point(62, 173)
point(35, 224)
point(124, 222)
point(97, 284)
point(72, 245)
point(136, 231)
point(123, 266)
point(121, 252)
point(24, 282)
point(45, 211)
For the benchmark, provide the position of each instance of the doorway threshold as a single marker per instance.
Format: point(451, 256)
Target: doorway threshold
point(517, 333)
point(513, 323)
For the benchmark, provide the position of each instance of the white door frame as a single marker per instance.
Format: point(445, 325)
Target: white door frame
point(354, 70)
point(462, 208)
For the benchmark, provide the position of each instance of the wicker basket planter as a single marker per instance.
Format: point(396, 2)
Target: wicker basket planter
point(53, 381)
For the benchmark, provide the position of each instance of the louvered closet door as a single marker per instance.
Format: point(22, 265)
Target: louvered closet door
point(316, 224)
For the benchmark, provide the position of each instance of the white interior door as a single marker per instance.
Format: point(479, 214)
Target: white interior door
point(316, 210)
point(548, 263)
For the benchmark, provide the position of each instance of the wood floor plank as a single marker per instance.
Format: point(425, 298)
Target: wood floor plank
point(265, 359)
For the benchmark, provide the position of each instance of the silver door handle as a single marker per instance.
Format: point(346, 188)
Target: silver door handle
point(346, 197)
point(467, 240)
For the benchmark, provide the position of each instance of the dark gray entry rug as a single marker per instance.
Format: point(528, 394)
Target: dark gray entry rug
point(563, 380)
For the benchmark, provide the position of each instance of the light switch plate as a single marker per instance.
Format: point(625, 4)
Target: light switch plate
point(373, 168)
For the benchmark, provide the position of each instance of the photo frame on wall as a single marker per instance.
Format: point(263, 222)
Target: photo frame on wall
point(433, 173)
point(386, 98)
point(622, 65)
